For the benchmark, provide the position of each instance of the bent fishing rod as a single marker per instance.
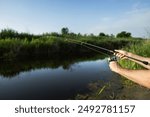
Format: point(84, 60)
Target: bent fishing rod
point(113, 52)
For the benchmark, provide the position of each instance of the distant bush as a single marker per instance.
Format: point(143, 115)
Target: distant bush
point(124, 34)
point(64, 31)
point(12, 34)
point(8, 33)
point(102, 34)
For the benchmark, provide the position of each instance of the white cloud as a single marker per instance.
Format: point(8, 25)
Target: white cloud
point(134, 21)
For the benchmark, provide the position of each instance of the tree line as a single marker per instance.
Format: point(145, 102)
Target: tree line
point(10, 33)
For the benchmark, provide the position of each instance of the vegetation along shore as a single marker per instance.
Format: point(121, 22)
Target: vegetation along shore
point(14, 45)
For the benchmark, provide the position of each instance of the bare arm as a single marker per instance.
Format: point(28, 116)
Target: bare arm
point(123, 54)
point(141, 77)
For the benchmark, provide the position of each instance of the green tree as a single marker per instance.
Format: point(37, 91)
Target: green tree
point(8, 33)
point(64, 31)
point(72, 34)
point(54, 34)
point(79, 35)
point(101, 34)
point(92, 35)
point(124, 34)
point(112, 36)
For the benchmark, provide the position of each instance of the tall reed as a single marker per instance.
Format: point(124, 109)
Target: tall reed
point(141, 48)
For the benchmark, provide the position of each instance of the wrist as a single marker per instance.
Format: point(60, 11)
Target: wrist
point(130, 54)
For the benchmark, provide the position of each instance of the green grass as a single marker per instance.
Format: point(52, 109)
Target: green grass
point(10, 48)
point(142, 49)
point(51, 45)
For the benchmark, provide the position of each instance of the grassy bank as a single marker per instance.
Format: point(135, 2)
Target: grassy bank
point(142, 49)
point(15, 44)
point(51, 45)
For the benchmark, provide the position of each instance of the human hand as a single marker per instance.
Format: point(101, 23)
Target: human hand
point(122, 54)
point(114, 66)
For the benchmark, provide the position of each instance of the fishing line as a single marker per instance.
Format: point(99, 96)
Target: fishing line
point(82, 43)
point(95, 50)
point(85, 44)
point(90, 48)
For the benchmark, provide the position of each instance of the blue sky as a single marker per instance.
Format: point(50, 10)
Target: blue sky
point(84, 16)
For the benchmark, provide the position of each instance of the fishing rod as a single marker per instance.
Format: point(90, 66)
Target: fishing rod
point(87, 46)
point(113, 52)
point(92, 45)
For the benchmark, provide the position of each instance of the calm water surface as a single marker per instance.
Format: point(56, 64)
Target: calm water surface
point(53, 80)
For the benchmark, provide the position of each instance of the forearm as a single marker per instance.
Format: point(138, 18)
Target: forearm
point(140, 58)
point(141, 77)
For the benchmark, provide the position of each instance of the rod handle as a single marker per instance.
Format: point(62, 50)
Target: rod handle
point(145, 62)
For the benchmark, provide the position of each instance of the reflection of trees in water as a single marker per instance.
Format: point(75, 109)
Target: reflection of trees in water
point(12, 68)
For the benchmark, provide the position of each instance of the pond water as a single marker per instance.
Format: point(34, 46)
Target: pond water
point(56, 79)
